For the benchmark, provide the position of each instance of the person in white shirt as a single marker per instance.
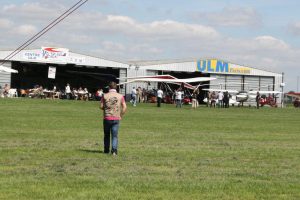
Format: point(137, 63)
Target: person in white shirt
point(75, 94)
point(99, 94)
point(178, 98)
point(68, 91)
point(133, 96)
point(85, 94)
point(220, 99)
point(159, 97)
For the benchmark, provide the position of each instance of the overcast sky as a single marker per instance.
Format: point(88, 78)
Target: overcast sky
point(264, 34)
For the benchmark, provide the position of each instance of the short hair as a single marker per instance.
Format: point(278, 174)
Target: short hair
point(112, 85)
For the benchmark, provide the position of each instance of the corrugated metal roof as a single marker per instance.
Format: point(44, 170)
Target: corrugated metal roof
point(164, 64)
point(73, 58)
point(189, 65)
point(184, 65)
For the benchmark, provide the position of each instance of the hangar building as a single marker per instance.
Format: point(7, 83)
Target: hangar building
point(92, 72)
point(229, 76)
point(76, 69)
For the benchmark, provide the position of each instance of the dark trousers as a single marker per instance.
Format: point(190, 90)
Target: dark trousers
point(111, 128)
point(158, 101)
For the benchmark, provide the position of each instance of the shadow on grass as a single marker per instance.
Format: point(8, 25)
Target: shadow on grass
point(90, 151)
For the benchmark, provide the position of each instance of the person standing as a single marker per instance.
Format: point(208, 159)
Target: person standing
point(178, 98)
point(99, 94)
point(208, 99)
point(194, 98)
point(213, 100)
point(159, 97)
point(144, 95)
point(226, 100)
point(220, 99)
point(133, 96)
point(6, 90)
point(139, 94)
point(257, 100)
point(114, 108)
point(68, 91)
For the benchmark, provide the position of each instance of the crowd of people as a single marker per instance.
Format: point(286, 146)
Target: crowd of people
point(178, 97)
point(76, 94)
point(38, 91)
point(220, 97)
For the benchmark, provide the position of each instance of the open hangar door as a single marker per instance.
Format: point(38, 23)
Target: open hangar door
point(92, 78)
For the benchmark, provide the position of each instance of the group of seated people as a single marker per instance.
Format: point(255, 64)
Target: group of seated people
point(39, 91)
point(79, 94)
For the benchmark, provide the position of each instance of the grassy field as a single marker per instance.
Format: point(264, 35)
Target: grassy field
point(53, 150)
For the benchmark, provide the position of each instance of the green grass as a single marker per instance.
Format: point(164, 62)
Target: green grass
point(53, 150)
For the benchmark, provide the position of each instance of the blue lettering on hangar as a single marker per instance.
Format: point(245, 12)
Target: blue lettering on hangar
point(212, 66)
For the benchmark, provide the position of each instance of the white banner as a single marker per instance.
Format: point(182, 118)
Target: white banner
point(55, 54)
point(30, 55)
point(47, 54)
point(51, 72)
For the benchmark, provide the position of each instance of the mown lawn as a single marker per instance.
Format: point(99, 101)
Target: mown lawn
point(53, 150)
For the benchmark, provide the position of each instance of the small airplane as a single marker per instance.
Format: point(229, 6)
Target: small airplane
point(168, 79)
point(239, 97)
point(296, 95)
point(7, 69)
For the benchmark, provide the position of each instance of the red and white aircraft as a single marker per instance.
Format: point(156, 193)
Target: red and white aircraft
point(296, 96)
point(168, 79)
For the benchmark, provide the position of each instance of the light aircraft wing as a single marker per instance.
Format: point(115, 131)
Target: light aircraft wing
point(166, 76)
point(293, 95)
point(187, 80)
point(221, 90)
point(7, 69)
point(264, 92)
point(168, 79)
point(186, 85)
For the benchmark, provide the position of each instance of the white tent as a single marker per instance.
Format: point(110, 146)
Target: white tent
point(7, 69)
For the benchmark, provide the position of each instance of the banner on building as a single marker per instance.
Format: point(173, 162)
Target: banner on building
point(47, 54)
point(55, 54)
point(51, 72)
point(218, 66)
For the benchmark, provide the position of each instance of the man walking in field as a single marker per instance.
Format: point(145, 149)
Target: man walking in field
point(114, 107)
